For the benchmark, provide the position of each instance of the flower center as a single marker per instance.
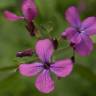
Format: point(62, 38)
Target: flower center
point(46, 65)
point(78, 30)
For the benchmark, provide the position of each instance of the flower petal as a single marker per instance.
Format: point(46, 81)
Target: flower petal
point(87, 23)
point(69, 33)
point(91, 30)
point(62, 68)
point(30, 69)
point(29, 9)
point(72, 35)
point(11, 16)
point(44, 49)
point(44, 83)
point(85, 47)
point(76, 38)
point(72, 17)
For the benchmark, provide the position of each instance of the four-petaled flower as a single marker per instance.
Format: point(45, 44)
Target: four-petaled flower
point(79, 33)
point(29, 11)
point(62, 68)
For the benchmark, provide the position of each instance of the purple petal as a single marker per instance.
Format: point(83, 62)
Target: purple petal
point(87, 23)
point(76, 38)
point(62, 68)
point(11, 16)
point(44, 83)
point(72, 35)
point(44, 49)
point(69, 33)
point(72, 17)
point(85, 47)
point(30, 69)
point(91, 30)
point(29, 9)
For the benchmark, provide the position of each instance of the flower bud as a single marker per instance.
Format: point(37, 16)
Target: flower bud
point(24, 53)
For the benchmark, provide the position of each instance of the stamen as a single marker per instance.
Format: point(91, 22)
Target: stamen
point(46, 65)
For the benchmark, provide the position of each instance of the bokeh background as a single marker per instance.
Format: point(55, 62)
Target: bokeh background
point(14, 37)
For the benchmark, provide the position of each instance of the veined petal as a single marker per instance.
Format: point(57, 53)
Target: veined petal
point(72, 17)
point(11, 16)
point(91, 30)
point(62, 68)
point(30, 69)
point(44, 83)
point(76, 38)
point(72, 35)
point(85, 47)
point(29, 9)
point(69, 33)
point(44, 49)
point(88, 22)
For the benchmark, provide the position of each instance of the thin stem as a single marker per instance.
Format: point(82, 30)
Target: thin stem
point(62, 49)
point(8, 68)
point(38, 35)
point(73, 56)
point(48, 32)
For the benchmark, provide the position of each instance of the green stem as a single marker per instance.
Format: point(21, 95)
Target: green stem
point(8, 68)
point(62, 49)
point(45, 29)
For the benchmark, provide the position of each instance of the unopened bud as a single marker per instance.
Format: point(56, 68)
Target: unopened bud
point(31, 28)
point(27, 52)
point(55, 43)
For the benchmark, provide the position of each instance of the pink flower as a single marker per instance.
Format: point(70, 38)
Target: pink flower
point(44, 82)
point(29, 11)
point(79, 32)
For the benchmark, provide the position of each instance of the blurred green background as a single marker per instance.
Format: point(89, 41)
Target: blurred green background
point(14, 37)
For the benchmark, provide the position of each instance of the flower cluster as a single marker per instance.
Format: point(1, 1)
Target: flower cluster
point(78, 36)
